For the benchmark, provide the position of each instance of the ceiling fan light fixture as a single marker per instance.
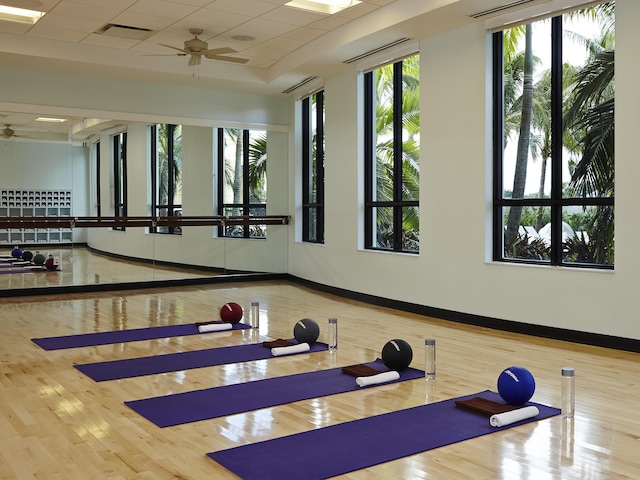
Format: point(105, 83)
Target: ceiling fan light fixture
point(323, 6)
point(22, 15)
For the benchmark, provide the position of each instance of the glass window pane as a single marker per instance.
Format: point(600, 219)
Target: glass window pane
point(384, 227)
point(410, 229)
point(587, 235)
point(530, 243)
point(177, 165)
point(527, 114)
point(257, 166)
point(411, 128)
point(588, 78)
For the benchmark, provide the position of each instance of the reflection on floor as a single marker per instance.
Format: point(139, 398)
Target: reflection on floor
point(81, 266)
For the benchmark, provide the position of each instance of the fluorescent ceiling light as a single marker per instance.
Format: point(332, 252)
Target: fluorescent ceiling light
point(21, 15)
point(51, 119)
point(322, 6)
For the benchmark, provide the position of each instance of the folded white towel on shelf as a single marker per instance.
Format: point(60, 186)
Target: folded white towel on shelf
point(301, 347)
point(507, 418)
point(214, 327)
point(379, 378)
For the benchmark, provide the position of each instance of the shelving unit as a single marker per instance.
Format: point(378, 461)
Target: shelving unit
point(35, 203)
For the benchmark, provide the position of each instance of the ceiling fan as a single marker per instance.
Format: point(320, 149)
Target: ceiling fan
point(196, 49)
point(8, 133)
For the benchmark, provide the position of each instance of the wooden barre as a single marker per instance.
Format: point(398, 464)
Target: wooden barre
point(106, 222)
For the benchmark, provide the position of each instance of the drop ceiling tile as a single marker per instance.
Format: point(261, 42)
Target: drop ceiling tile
point(258, 26)
point(58, 34)
point(109, 41)
point(152, 22)
point(85, 12)
point(162, 9)
point(262, 52)
point(241, 7)
point(117, 4)
point(52, 21)
point(330, 23)
point(292, 16)
point(358, 11)
point(284, 44)
point(14, 27)
point(304, 34)
point(216, 18)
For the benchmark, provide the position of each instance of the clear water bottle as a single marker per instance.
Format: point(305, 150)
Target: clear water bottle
point(255, 315)
point(333, 334)
point(568, 389)
point(430, 358)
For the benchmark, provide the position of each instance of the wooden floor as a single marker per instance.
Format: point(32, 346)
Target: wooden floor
point(56, 423)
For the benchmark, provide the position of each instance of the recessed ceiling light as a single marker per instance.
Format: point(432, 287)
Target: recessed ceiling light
point(21, 15)
point(51, 119)
point(323, 6)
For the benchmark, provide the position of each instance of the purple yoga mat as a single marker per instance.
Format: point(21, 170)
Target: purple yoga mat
point(339, 449)
point(170, 410)
point(118, 336)
point(174, 362)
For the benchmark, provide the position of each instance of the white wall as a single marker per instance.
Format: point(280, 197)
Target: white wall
point(453, 270)
point(47, 166)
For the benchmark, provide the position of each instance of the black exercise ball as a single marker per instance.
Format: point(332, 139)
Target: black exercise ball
point(397, 354)
point(306, 331)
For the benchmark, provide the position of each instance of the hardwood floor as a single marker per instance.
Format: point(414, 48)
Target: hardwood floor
point(57, 423)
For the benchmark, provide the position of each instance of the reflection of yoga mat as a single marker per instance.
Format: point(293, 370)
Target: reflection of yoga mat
point(174, 362)
point(216, 402)
point(118, 336)
point(339, 449)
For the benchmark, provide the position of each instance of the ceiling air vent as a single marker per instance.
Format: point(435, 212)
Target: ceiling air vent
point(501, 8)
point(125, 31)
point(376, 50)
point(299, 84)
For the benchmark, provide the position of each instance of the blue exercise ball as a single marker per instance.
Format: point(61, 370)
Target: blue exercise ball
point(16, 252)
point(516, 385)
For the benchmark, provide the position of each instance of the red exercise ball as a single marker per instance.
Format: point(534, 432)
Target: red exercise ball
point(231, 312)
point(50, 263)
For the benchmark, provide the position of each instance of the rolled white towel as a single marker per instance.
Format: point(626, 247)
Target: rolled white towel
point(214, 327)
point(507, 418)
point(379, 378)
point(301, 347)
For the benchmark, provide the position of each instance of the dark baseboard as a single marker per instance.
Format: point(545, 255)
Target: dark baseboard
point(575, 336)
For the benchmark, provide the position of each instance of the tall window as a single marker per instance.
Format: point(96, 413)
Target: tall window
point(553, 140)
point(313, 168)
point(120, 176)
point(242, 180)
point(96, 147)
point(391, 153)
point(166, 174)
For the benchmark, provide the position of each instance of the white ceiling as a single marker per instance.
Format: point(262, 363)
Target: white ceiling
point(285, 46)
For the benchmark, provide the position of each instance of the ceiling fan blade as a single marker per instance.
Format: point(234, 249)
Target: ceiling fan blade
point(227, 59)
point(165, 55)
point(174, 48)
point(218, 51)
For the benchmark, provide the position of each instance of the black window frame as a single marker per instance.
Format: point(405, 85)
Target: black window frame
point(556, 202)
point(163, 210)
point(246, 207)
point(313, 168)
point(398, 203)
point(120, 197)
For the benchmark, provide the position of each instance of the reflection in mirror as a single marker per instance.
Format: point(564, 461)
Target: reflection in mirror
point(78, 176)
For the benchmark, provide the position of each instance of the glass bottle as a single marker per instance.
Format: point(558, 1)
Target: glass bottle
point(568, 389)
point(430, 358)
point(255, 315)
point(333, 334)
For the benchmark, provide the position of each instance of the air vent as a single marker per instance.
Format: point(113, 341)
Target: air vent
point(125, 31)
point(299, 84)
point(507, 6)
point(376, 50)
